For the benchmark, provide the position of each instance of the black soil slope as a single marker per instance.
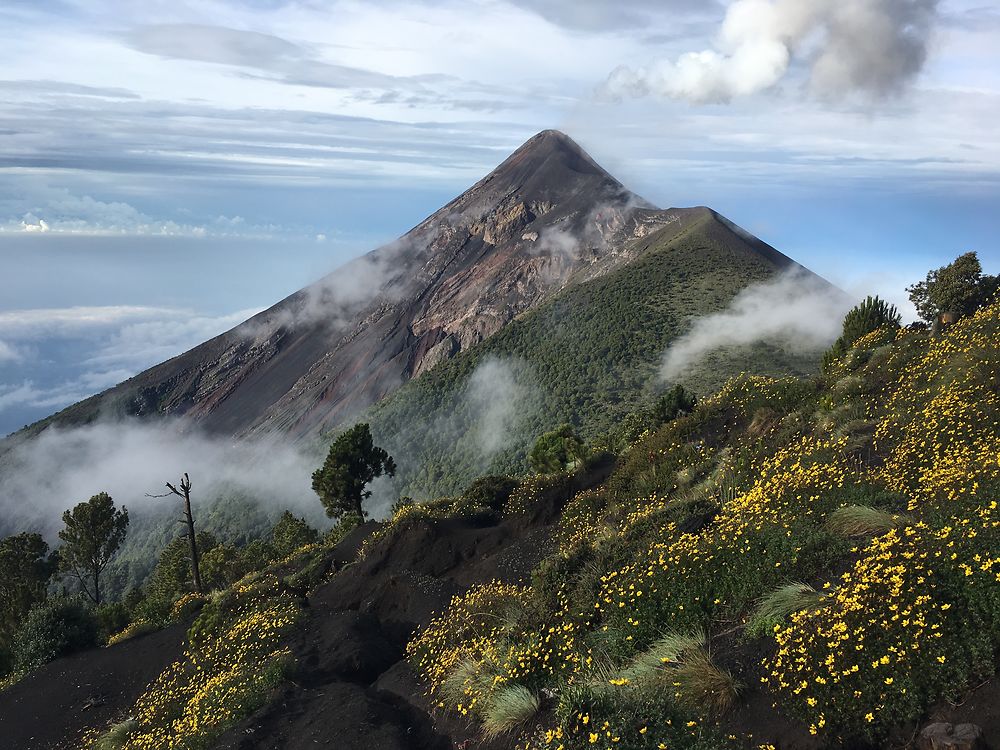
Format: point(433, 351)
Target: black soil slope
point(48, 709)
point(352, 689)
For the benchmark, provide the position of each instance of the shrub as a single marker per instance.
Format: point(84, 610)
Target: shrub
point(556, 451)
point(402, 503)
point(672, 404)
point(222, 677)
point(871, 315)
point(54, 629)
point(112, 618)
point(290, 533)
point(603, 715)
point(490, 491)
point(187, 606)
point(914, 620)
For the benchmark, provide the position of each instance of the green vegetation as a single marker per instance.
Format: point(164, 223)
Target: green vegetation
point(871, 315)
point(556, 451)
point(350, 466)
point(672, 404)
point(510, 708)
point(589, 357)
point(825, 545)
point(846, 526)
point(25, 570)
point(94, 531)
point(54, 629)
point(775, 608)
point(290, 533)
point(959, 287)
point(860, 520)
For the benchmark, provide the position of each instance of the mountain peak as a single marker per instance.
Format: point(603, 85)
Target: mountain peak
point(551, 151)
point(551, 169)
point(550, 141)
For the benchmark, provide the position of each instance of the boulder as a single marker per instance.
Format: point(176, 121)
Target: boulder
point(942, 736)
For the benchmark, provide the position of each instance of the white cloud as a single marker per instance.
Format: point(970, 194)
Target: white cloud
point(142, 343)
point(871, 47)
point(8, 353)
point(58, 211)
point(28, 394)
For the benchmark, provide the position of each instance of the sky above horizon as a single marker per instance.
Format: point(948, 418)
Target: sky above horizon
point(169, 168)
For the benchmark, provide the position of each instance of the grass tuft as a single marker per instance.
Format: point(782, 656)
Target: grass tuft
point(468, 676)
point(775, 608)
point(509, 708)
point(703, 686)
point(668, 650)
point(116, 737)
point(861, 520)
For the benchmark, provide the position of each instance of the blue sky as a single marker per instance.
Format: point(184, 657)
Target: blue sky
point(166, 168)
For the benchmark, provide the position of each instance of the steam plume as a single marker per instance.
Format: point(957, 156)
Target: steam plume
point(872, 47)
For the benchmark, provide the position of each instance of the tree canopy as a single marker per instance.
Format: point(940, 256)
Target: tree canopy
point(25, 570)
point(672, 404)
point(350, 466)
point(94, 531)
point(556, 450)
point(958, 287)
point(290, 533)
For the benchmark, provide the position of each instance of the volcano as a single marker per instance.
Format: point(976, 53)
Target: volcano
point(547, 218)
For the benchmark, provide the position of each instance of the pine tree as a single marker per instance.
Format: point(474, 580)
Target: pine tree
point(94, 531)
point(352, 463)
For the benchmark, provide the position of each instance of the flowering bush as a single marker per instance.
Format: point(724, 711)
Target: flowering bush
point(186, 606)
point(216, 683)
point(905, 626)
point(133, 630)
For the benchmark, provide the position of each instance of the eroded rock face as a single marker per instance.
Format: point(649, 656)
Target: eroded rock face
point(942, 736)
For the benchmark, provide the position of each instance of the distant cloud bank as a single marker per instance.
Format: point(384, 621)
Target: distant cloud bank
point(58, 211)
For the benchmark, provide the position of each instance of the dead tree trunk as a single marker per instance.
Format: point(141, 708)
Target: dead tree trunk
point(183, 491)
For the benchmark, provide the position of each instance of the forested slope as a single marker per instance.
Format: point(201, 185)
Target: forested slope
point(588, 357)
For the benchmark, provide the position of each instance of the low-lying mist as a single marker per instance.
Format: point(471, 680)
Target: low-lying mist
point(132, 459)
point(482, 419)
point(796, 310)
point(41, 478)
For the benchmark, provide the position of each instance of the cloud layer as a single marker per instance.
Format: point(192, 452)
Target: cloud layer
point(50, 358)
